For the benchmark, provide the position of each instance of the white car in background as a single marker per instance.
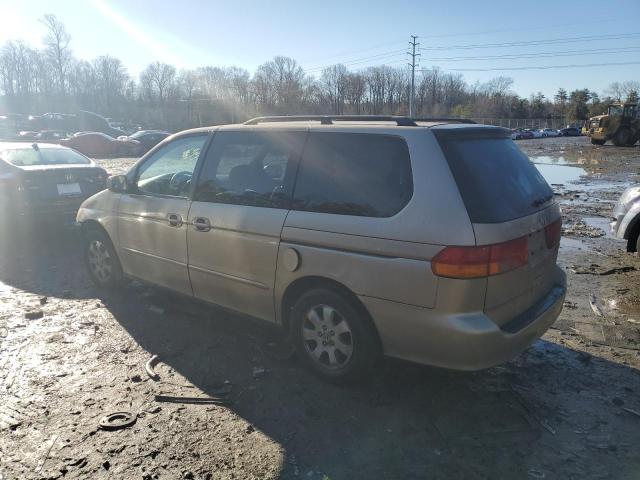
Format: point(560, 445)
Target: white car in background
point(549, 132)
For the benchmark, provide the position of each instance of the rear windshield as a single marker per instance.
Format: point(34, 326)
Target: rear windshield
point(497, 181)
point(24, 157)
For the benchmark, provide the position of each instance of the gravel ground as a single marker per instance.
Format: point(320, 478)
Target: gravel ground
point(227, 404)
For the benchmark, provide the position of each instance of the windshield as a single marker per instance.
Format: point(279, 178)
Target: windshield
point(615, 110)
point(24, 157)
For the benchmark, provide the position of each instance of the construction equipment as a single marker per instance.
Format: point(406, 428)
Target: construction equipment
point(621, 125)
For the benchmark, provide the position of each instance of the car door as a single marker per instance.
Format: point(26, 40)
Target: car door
point(152, 220)
point(240, 204)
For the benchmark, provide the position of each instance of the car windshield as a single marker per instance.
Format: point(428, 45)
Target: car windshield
point(24, 157)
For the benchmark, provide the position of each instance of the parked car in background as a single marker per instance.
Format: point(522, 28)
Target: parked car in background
point(626, 218)
point(43, 181)
point(535, 133)
point(450, 262)
point(148, 138)
point(549, 132)
point(521, 134)
point(96, 144)
point(570, 132)
point(73, 122)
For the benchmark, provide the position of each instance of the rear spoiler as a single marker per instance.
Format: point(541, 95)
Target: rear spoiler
point(469, 133)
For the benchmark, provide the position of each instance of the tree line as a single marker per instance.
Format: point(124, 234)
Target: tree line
point(51, 79)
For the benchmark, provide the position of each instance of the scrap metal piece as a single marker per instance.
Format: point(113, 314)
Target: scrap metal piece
point(593, 302)
point(149, 368)
point(117, 421)
point(192, 400)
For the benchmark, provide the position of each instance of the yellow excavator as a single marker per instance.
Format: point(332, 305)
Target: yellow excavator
point(621, 125)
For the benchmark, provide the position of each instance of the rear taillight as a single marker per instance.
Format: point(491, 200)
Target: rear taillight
point(552, 233)
point(482, 261)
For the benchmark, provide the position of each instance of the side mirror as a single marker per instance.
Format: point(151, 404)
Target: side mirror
point(118, 184)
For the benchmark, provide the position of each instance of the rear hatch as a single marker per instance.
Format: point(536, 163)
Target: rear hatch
point(511, 208)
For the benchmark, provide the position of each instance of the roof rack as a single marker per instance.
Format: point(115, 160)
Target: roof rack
point(330, 119)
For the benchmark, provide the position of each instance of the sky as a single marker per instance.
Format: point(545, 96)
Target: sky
point(454, 36)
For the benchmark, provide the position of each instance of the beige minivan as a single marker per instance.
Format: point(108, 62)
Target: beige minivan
point(433, 241)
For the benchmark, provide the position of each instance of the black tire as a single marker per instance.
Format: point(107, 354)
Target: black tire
point(355, 351)
point(597, 142)
point(622, 137)
point(106, 271)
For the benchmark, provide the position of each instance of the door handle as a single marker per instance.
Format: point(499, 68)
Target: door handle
point(174, 219)
point(202, 224)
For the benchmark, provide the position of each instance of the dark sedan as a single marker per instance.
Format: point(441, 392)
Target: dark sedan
point(45, 181)
point(570, 132)
point(101, 145)
point(148, 138)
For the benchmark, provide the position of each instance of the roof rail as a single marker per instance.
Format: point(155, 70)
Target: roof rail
point(330, 119)
point(445, 119)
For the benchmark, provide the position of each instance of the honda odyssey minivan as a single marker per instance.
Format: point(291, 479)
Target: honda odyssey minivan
point(433, 241)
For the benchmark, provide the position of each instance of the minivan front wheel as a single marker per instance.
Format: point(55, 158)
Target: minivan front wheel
point(101, 260)
point(333, 337)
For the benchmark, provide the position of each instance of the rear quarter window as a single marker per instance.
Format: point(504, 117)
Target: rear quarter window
point(497, 181)
point(354, 174)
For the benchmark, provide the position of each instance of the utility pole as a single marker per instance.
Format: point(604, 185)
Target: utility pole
point(413, 44)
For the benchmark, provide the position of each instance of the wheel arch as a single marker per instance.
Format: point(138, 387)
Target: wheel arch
point(304, 284)
point(632, 233)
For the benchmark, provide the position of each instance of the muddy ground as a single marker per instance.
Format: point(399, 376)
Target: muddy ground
point(568, 408)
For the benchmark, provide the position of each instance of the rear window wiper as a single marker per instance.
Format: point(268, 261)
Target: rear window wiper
point(541, 201)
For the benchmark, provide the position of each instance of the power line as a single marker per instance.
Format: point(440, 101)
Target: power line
point(356, 61)
point(349, 53)
point(544, 67)
point(515, 56)
point(536, 42)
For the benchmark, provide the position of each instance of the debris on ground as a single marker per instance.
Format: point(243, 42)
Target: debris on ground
point(117, 421)
point(612, 271)
point(34, 314)
point(149, 368)
point(48, 448)
point(581, 229)
point(191, 400)
point(595, 305)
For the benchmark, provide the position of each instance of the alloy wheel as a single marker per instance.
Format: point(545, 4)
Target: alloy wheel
point(100, 261)
point(327, 337)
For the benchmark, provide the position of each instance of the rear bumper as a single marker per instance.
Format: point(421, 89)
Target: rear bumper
point(461, 341)
point(55, 212)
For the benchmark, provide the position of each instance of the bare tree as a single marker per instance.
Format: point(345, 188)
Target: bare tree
point(56, 41)
point(333, 87)
point(158, 80)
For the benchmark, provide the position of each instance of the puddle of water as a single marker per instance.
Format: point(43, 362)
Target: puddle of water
point(556, 174)
point(570, 176)
point(598, 222)
point(547, 160)
point(568, 244)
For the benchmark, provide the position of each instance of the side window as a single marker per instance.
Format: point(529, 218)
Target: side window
point(169, 170)
point(354, 174)
point(250, 168)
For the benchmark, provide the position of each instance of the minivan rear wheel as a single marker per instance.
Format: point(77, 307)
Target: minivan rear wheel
point(333, 336)
point(101, 260)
